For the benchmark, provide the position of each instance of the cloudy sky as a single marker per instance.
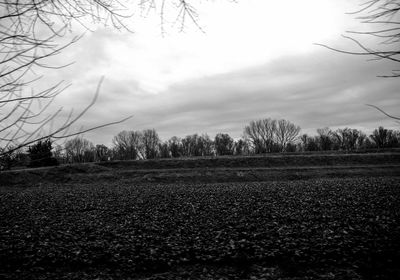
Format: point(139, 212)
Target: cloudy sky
point(251, 59)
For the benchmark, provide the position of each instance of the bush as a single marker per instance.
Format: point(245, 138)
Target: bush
point(7, 159)
point(40, 154)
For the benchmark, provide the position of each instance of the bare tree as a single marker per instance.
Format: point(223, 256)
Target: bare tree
point(325, 138)
point(385, 138)
point(175, 147)
point(206, 145)
point(304, 140)
point(224, 144)
point(309, 143)
point(286, 133)
point(190, 145)
point(59, 153)
point(103, 153)
point(347, 138)
point(79, 150)
point(241, 147)
point(129, 145)
point(261, 134)
point(31, 32)
point(362, 141)
point(164, 151)
point(151, 143)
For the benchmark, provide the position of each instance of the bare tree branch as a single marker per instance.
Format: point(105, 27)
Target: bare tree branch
point(383, 112)
point(384, 18)
point(32, 32)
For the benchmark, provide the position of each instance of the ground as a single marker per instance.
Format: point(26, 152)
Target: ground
point(280, 220)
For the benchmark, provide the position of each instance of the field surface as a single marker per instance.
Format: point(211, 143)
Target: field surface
point(214, 169)
point(336, 225)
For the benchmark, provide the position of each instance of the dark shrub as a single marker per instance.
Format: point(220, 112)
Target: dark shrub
point(40, 154)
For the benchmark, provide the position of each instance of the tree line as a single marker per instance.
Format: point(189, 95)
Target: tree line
point(259, 137)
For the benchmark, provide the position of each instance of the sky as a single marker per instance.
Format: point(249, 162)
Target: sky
point(246, 60)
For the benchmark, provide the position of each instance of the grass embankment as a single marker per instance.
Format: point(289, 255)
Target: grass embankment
point(273, 160)
point(217, 169)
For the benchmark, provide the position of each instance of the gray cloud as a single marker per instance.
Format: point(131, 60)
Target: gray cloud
point(313, 90)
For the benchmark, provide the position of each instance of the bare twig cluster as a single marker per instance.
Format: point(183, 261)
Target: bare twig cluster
point(266, 135)
point(383, 18)
point(31, 32)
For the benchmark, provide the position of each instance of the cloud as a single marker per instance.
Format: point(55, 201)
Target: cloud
point(312, 90)
point(246, 67)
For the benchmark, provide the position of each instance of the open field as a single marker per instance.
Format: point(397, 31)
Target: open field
point(336, 221)
point(214, 169)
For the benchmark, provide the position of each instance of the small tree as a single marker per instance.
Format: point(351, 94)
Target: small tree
point(304, 140)
point(286, 133)
point(129, 145)
point(241, 147)
point(325, 138)
point(175, 147)
point(191, 146)
point(346, 139)
point(385, 138)
point(379, 136)
point(164, 150)
point(102, 152)
point(7, 157)
point(79, 150)
point(150, 142)
point(261, 134)
point(206, 145)
point(223, 144)
point(40, 154)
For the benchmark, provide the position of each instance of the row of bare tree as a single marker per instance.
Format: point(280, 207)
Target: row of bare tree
point(270, 135)
point(262, 136)
point(348, 139)
point(259, 137)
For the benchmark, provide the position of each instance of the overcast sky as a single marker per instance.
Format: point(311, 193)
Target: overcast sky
point(255, 59)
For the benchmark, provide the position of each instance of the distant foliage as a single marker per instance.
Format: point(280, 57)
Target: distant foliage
point(348, 139)
point(7, 158)
point(385, 138)
point(286, 134)
point(103, 153)
point(309, 143)
point(195, 145)
point(164, 150)
point(259, 137)
point(150, 142)
point(128, 145)
point(269, 135)
point(175, 147)
point(325, 140)
point(79, 150)
point(241, 147)
point(224, 144)
point(40, 154)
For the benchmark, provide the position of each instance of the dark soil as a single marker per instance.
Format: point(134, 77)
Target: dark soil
point(321, 228)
